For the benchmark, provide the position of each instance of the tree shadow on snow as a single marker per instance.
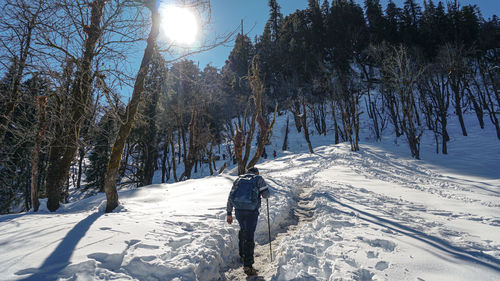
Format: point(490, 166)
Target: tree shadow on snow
point(60, 257)
point(477, 257)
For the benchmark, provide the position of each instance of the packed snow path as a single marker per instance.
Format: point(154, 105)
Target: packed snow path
point(303, 213)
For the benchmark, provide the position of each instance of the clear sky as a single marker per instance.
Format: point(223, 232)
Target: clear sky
point(227, 15)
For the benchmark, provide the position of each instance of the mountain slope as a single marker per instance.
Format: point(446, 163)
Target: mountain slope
point(375, 214)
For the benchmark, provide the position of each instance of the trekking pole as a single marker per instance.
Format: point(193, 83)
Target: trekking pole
point(269, 229)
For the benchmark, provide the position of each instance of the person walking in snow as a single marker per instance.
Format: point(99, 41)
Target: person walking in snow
point(245, 198)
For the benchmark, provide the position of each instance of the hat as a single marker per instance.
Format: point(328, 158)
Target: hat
point(253, 170)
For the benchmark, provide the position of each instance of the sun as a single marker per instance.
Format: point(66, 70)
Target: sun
point(179, 24)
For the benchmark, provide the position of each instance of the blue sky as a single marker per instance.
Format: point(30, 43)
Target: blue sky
point(227, 15)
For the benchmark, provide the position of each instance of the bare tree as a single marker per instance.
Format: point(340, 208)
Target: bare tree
point(487, 86)
point(62, 156)
point(131, 110)
point(402, 74)
point(457, 78)
point(90, 39)
point(18, 22)
point(347, 94)
point(373, 108)
point(265, 128)
point(435, 97)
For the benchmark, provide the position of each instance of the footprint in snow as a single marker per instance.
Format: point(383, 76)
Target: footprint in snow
point(371, 255)
point(387, 245)
point(146, 246)
point(363, 275)
point(382, 265)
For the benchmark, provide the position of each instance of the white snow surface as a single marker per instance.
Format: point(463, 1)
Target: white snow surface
point(375, 214)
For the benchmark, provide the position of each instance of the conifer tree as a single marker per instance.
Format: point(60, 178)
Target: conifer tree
point(410, 25)
point(375, 20)
point(393, 22)
point(234, 75)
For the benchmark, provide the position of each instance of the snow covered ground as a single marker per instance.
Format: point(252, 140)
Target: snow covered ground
point(375, 214)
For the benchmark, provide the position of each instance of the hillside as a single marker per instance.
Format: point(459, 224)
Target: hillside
point(376, 214)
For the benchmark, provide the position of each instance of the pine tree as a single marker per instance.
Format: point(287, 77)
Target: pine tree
point(393, 22)
point(275, 18)
point(410, 28)
point(234, 74)
point(434, 28)
point(376, 21)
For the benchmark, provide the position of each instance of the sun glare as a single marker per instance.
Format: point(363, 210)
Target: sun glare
point(179, 24)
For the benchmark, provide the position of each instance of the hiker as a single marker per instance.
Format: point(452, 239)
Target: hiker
point(245, 197)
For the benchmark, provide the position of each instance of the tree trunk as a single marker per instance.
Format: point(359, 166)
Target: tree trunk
point(392, 107)
point(248, 145)
point(296, 116)
point(184, 145)
point(174, 165)
point(355, 116)
point(124, 161)
point(303, 120)
point(210, 160)
point(223, 168)
point(164, 159)
point(190, 154)
point(285, 140)
point(488, 99)
point(477, 108)
point(444, 134)
point(458, 107)
point(335, 124)
point(59, 166)
point(323, 118)
point(265, 131)
point(42, 104)
point(124, 130)
point(316, 119)
point(239, 143)
point(151, 156)
point(81, 154)
point(179, 132)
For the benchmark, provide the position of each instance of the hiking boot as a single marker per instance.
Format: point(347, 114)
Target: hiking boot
point(249, 270)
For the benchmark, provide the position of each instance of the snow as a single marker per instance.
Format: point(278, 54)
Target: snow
point(375, 214)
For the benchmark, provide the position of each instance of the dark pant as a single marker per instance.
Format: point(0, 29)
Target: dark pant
point(248, 223)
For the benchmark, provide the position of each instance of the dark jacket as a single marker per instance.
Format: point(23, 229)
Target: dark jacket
point(261, 184)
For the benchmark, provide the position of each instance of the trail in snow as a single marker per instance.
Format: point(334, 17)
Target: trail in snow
point(303, 212)
point(300, 172)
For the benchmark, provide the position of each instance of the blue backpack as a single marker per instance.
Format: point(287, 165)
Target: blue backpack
point(246, 195)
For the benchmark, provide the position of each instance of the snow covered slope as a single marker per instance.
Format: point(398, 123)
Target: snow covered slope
point(375, 214)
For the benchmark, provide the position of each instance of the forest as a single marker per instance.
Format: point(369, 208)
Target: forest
point(65, 120)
